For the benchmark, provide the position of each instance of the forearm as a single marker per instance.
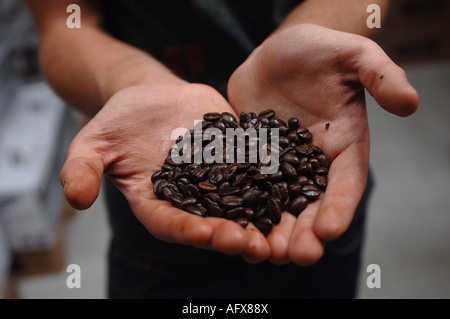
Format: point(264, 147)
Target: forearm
point(342, 15)
point(87, 66)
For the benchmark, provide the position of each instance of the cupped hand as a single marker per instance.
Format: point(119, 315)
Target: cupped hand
point(319, 75)
point(128, 140)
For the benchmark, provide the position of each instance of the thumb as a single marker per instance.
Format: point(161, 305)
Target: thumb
point(386, 82)
point(81, 175)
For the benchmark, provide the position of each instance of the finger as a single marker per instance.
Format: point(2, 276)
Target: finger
point(81, 176)
point(258, 248)
point(279, 239)
point(170, 224)
point(346, 183)
point(305, 248)
point(386, 82)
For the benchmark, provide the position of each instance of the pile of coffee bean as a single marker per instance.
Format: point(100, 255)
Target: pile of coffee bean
point(240, 191)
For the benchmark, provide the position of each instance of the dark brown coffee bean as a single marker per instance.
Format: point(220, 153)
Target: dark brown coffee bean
point(302, 180)
point(242, 221)
point(168, 190)
point(322, 171)
point(196, 210)
point(305, 137)
point(298, 205)
point(314, 163)
point(293, 138)
point(158, 188)
point(321, 181)
point(280, 190)
point(251, 196)
point(294, 123)
point(243, 118)
point(311, 192)
point(190, 201)
point(275, 177)
point(229, 191)
point(305, 170)
point(194, 191)
point(207, 187)
point(220, 125)
point(291, 159)
point(289, 171)
point(264, 224)
point(323, 161)
point(230, 172)
point(249, 213)
point(295, 190)
point(213, 196)
point(176, 199)
point(260, 212)
point(232, 201)
point(215, 211)
point(234, 213)
point(213, 117)
point(155, 176)
point(273, 210)
point(303, 150)
point(228, 118)
point(284, 141)
point(200, 173)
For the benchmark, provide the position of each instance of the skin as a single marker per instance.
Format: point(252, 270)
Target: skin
point(135, 102)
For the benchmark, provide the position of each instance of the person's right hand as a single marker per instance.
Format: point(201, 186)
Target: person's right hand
point(128, 140)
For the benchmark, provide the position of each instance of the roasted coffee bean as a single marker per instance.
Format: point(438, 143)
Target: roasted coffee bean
point(251, 196)
point(323, 161)
point(298, 205)
point(196, 210)
point(190, 201)
point(215, 210)
point(240, 191)
point(311, 192)
point(207, 187)
point(275, 177)
point(264, 224)
point(228, 118)
point(302, 180)
point(213, 117)
point(273, 211)
point(232, 201)
point(229, 191)
point(321, 171)
point(267, 113)
point(321, 181)
point(176, 199)
point(155, 176)
point(280, 190)
point(194, 190)
point(295, 190)
point(294, 123)
point(249, 213)
point(291, 159)
point(314, 163)
point(242, 221)
point(158, 187)
point(305, 170)
point(289, 171)
point(234, 213)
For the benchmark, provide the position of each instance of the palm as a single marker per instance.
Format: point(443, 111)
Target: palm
point(128, 140)
point(314, 73)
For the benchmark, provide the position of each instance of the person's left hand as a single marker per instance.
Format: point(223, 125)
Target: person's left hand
point(319, 75)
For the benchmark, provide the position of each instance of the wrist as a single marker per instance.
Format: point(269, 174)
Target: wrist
point(136, 71)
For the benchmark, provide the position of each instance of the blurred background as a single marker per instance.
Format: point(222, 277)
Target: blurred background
point(407, 228)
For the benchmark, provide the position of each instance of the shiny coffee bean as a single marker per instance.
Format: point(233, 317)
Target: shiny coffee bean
point(273, 210)
point(212, 117)
point(207, 187)
point(298, 205)
point(311, 192)
point(264, 224)
point(289, 171)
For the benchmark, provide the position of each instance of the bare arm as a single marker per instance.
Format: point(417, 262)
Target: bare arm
point(86, 66)
point(343, 15)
